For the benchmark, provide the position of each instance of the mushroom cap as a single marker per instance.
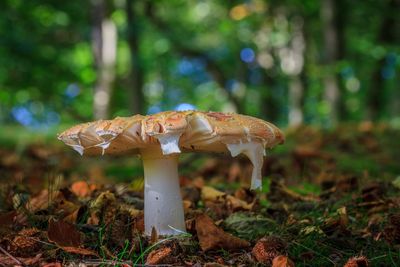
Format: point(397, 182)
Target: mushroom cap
point(172, 131)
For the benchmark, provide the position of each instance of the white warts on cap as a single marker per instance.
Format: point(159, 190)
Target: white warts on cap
point(255, 152)
point(200, 125)
point(169, 143)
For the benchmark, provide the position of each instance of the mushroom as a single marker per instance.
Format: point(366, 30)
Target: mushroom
point(160, 138)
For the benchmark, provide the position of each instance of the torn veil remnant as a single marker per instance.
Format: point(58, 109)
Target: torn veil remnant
point(160, 138)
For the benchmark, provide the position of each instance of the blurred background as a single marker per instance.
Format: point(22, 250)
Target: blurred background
point(327, 72)
point(289, 61)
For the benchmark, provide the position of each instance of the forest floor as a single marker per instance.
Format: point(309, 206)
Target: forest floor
point(328, 196)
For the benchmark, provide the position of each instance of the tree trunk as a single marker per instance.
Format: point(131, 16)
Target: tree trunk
point(296, 86)
point(104, 46)
point(136, 76)
point(387, 36)
point(331, 43)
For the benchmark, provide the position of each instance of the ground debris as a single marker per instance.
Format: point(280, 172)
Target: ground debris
point(268, 248)
point(359, 261)
point(328, 194)
point(282, 261)
point(212, 237)
point(64, 234)
point(160, 256)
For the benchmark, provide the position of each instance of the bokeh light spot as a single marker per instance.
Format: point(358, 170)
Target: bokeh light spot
point(185, 106)
point(247, 55)
point(239, 12)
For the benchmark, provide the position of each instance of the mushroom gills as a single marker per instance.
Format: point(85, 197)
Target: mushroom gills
point(255, 152)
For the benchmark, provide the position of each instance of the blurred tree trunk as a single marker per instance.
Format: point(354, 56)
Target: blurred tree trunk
point(388, 35)
point(332, 28)
point(104, 46)
point(296, 84)
point(136, 76)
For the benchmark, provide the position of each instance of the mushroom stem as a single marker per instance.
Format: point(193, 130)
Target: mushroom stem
point(163, 208)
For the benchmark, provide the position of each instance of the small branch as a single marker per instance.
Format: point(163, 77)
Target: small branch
point(11, 257)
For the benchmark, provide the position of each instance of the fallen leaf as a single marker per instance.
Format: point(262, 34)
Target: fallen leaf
point(81, 189)
point(282, 261)
point(53, 264)
point(209, 193)
point(187, 205)
point(245, 194)
point(64, 234)
point(80, 251)
point(212, 237)
point(7, 261)
point(24, 244)
point(236, 204)
point(7, 219)
point(249, 225)
point(279, 192)
point(159, 256)
point(43, 200)
point(214, 264)
point(198, 182)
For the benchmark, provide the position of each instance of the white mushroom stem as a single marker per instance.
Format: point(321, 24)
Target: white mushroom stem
point(163, 208)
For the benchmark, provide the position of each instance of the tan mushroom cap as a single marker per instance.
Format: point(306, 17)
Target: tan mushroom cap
point(172, 131)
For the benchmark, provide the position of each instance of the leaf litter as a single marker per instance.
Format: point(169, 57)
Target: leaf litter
point(331, 199)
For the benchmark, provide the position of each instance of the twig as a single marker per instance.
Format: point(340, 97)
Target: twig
point(11, 256)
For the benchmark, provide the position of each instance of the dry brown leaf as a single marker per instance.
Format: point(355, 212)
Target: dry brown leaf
point(214, 264)
point(279, 192)
point(80, 251)
point(160, 256)
point(53, 264)
point(24, 244)
point(81, 189)
point(72, 217)
point(198, 182)
point(245, 194)
point(212, 237)
point(7, 261)
point(209, 193)
point(64, 234)
point(187, 205)
point(43, 200)
point(65, 207)
point(7, 219)
point(236, 204)
point(282, 261)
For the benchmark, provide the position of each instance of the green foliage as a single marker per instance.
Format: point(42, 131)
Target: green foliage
point(214, 55)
